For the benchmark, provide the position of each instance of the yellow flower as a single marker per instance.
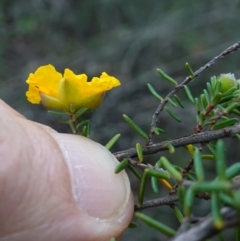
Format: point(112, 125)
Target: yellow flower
point(69, 92)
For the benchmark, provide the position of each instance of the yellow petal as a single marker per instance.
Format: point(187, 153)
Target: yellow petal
point(46, 79)
point(33, 95)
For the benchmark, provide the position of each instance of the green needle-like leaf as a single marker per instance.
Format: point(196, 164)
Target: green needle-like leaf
point(166, 77)
point(170, 148)
point(189, 94)
point(122, 165)
point(206, 95)
point(181, 194)
point(154, 92)
point(167, 165)
point(231, 107)
point(232, 171)
point(225, 123)
point(178, 214)
point(157, 130)
point(132, 225)
point(135, 127)
point(150, 172)
point(189, 199)
point(171, 102)
point(220, 160)
point(113, 141)
point(216, 99)
point(189, 70)
point(216, 207)
point(171, 114)
point(134, 171)
point(154, 183)
point(80, 112)
point(139, 151)
point(198, 166)
point(178, 101)
point(210, 90)
point(155, 224)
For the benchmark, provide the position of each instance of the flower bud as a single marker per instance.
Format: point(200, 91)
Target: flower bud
point(227, 82)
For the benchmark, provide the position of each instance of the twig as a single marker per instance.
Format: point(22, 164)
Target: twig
point(205, 229)
point(168, 200)
point(229, 50)
point(182, 141)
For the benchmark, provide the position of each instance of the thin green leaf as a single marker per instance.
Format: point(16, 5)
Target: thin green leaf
point(135, 127)
point(157, 130)
point(189, 70)
point(236, 112)
point(189, 94)
point(208, 157)
point(213, 81)
point(181, 194)
point(215, 210)
point(171, 102)
point(211, 148)
point(167, 165)
point(226, 199)
point(134, 171)
point(170, 147)
point(198, 108)
point(81, 124)
point(178, 101)
point(215, 186)
point(57, 112)
point(154, 183)
point(216, 99)
point(171, 114)
point(150, 172)
point(166, 77)
point(198, 166)
point(189, 199)
point(230, 91)
point(113, 141)
point(231, 107)
point(225, 123)
point(132, 225)
point(178, 214)
point(204, 103)
point(80, 112)
point(153, 92)
point(210, 90)
point(232, 171)
point(155, 224)
point(220, 160)
point(121, 166)
point(139, 151)
point(217, 87)
point(206, 95)
point(72, 126)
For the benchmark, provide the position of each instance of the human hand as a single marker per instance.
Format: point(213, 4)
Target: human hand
point(58, 186)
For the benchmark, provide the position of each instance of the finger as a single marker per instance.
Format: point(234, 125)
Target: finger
point(7, 109)
point(58, 187)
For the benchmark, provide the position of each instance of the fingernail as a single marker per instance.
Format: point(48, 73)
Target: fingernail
point(96, 188)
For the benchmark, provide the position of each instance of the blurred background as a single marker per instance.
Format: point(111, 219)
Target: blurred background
point(129, 40)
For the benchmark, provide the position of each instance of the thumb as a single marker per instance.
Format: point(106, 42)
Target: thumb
point(57, 186)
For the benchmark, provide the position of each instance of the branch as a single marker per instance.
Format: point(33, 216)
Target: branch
point(155, 118)
point(182, 141)
point(158, 202)
point(205, 229)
